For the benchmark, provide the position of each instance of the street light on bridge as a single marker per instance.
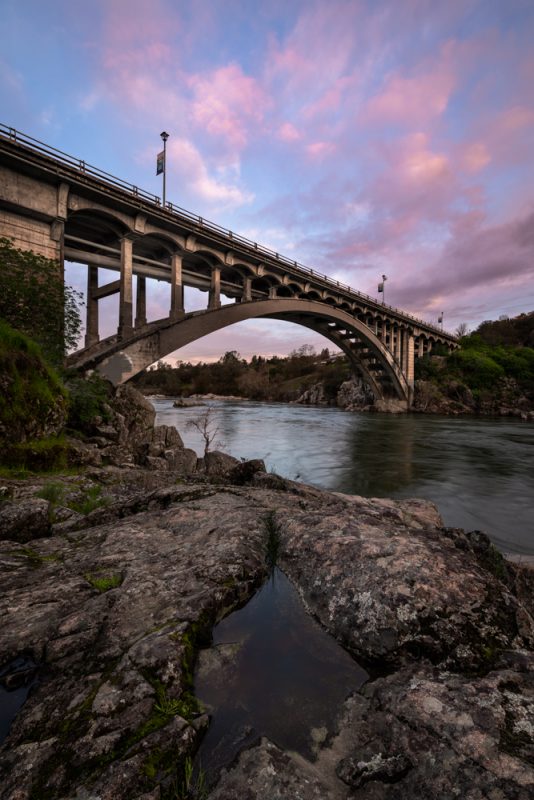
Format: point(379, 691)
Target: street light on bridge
point(382, 288)
point(161, 165)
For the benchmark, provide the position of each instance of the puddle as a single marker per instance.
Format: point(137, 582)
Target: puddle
point(272, 671)
point(16, 680)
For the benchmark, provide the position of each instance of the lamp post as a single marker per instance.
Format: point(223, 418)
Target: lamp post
point(440, 320)
point(164, 135)
point(382, 288)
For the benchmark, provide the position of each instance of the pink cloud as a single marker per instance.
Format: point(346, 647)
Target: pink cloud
point(319, 150)
point(287, 132)
point(417, 99)
point(227, 103)
point(188, 162)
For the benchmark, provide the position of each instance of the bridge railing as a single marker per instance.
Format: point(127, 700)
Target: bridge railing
point(86, 169)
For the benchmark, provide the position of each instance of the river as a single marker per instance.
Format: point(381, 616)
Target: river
point(479, 472)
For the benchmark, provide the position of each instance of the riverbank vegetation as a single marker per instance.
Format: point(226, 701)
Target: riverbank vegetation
point(492, 372)
point(273, 379)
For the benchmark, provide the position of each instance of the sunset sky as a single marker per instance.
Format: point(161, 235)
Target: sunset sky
point(357, 137)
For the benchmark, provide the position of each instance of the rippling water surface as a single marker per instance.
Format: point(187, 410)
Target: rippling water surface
point(479, 472)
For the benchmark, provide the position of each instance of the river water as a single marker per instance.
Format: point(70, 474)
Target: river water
point(479, 472)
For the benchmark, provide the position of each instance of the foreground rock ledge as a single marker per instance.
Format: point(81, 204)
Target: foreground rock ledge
point(112, 613)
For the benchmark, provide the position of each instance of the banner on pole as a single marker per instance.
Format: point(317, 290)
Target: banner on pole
point(380, 287)
point(160, 163)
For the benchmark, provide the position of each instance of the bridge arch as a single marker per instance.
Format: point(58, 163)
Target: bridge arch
point(120, 360)
point(98, 226)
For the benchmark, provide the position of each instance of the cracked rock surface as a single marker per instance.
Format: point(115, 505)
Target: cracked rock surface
point(112, 609)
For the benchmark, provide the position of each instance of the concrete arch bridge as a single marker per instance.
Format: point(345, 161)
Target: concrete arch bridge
point(65, 209)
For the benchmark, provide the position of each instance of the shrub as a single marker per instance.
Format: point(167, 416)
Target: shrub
point(33, 400)
point(478, 370)
point(89, 399)
point(34, 300)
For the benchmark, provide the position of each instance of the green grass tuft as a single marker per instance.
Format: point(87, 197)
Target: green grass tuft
point(103, 583)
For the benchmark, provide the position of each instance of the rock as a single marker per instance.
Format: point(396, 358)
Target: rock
point(314, 396)
point(355, 395)
point(181, 460)
point(24, 521)
point(264, 772)
point(420, 592)
point(134, 414)
point(426, 733)
point(219, 465)
point(112, 612)
point(245, 471)
point(83, 454)
point(164, 437)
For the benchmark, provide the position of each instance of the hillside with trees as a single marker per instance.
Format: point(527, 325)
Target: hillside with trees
point(491, 373)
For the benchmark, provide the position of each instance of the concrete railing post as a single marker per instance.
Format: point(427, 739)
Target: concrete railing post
point(126, 294)
point(177, 287)
point(215, 289)
point(140, 304)
point(91, 327)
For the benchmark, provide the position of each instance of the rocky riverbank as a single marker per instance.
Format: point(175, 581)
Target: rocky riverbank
point(103, 610)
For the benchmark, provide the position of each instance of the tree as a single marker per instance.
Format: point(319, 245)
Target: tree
point(207, 427)
point(34, 300)
point(461, 330)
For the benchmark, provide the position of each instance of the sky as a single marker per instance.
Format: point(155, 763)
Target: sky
point(359, 137)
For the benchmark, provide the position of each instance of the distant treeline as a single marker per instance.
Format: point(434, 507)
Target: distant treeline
point(260, 378)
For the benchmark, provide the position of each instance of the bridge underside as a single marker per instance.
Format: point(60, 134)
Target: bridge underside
point(121, 359)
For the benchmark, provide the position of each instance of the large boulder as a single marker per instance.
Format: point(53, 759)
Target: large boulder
point(354, 395)
point(26, 520)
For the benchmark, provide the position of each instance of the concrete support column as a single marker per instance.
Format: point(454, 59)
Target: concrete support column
point(420, 347)
point(272, 292)
point(91, 326)
point(247, 290)
point(383, 333)
point(215, 288)
point(140, 305)
point(177, 287)
point(410, 360)
point(126, 294)
point(404, 350)
point(397, 345)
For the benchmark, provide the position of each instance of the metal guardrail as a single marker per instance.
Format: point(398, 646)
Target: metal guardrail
point(13, 135)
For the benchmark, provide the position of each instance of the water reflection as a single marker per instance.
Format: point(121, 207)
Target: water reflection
point(480, 472)
point(272, 671)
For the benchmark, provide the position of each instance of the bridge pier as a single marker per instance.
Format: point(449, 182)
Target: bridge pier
point(140, 303)
point(177, 288)
point(125, 289)
point(91, 324)
point(214, 300)
point(410, 360)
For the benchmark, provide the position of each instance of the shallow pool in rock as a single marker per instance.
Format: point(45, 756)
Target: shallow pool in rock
point(271, 671)
point(16, 680)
